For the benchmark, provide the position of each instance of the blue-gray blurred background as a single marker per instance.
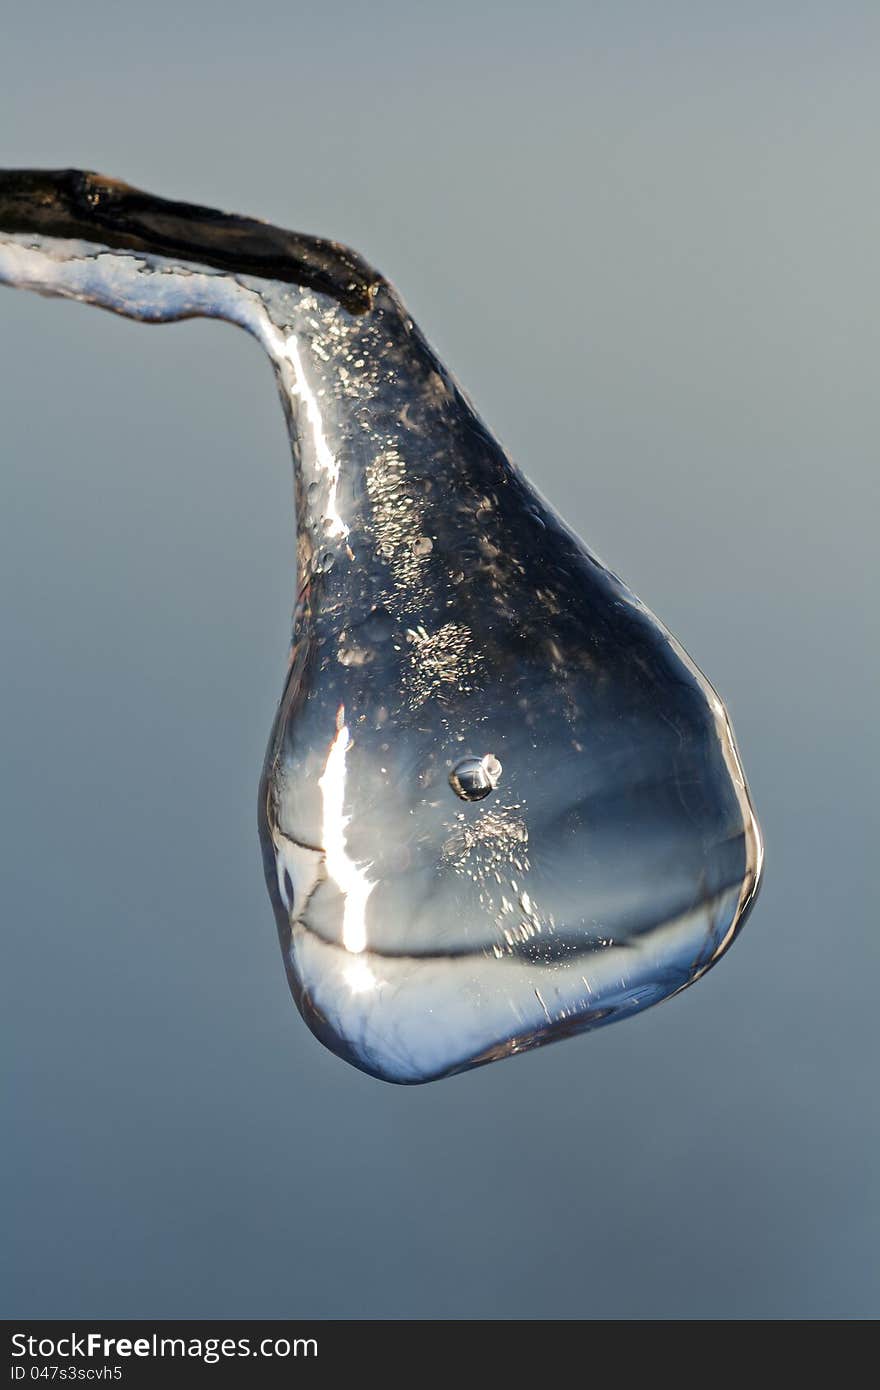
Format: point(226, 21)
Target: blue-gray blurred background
point(645, 238)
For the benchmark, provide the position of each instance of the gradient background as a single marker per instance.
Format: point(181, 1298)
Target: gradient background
point(646, 238)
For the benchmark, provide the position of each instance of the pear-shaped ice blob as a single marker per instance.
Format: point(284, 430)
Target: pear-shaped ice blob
point(500, 805)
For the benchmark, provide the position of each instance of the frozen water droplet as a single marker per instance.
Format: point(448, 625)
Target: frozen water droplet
point(474, 778)
point(617, 856)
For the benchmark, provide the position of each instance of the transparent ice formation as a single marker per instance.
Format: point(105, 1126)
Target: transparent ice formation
point(500, 805)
